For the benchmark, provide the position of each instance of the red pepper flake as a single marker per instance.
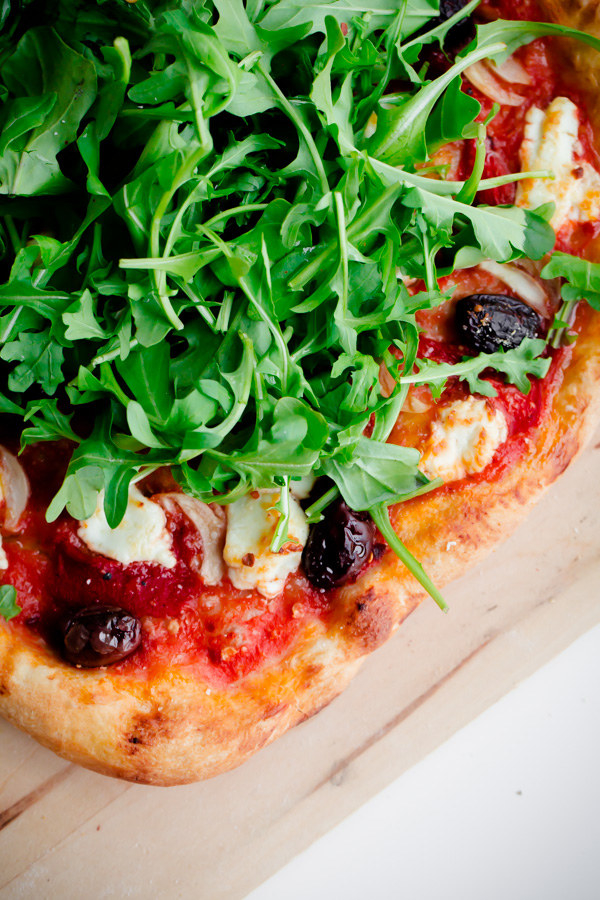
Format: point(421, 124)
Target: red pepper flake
point(248, 560)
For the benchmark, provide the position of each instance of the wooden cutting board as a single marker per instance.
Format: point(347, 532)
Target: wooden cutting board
point(66, 832)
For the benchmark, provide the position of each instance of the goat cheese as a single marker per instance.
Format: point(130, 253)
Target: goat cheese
point(251, 523)
point(142, 535)
point(551, 141)
point(463, 439)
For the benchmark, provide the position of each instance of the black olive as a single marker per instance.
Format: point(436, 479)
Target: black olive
point(488, 322)
point(338, 546)
point(463, 31)
point(100, 636)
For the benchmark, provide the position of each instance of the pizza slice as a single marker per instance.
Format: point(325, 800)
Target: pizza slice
point(298, 318)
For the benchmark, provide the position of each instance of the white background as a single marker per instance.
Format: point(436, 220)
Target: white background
point(507, 809)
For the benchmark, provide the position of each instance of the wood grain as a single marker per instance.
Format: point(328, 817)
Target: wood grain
point(67, 831)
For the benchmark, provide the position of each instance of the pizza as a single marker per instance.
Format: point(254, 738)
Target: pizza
point(299, 314)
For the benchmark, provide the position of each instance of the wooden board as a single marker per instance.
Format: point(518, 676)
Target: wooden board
point(65, 832)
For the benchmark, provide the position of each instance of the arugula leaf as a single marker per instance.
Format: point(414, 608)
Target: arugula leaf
point(9, 608)
point(63, 84)
point(582, 277)
point(517, 364)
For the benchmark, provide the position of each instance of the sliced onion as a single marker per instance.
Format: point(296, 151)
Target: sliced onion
point(480, 75)
point(15, 487)
point(211, 523)
point(520, 282)
point(386, 380)
point(415, 404)
point(512, 71)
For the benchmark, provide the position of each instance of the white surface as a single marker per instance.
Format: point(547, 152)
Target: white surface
point(507, 808)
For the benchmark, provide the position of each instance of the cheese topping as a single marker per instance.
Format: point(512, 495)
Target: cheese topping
point(141, 536)
point(463, 439)
point(251, 523)
point(551, 141)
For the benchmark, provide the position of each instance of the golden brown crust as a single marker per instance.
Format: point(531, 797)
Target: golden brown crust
point(173, 727)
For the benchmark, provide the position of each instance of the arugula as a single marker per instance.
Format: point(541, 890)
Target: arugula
point(582, 282)
point(203, 253)
point(9, 608)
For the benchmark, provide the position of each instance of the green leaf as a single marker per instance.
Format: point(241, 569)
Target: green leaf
point(42, 66)
point(581, 275)
point(80, 320)
point(400, 132)
point(9, 607)
point(379, 473)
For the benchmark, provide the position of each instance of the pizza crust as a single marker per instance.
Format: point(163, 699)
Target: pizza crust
point(173, 727)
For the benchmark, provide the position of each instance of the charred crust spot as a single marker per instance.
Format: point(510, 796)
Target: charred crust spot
point(148, 730)
point(370, 623)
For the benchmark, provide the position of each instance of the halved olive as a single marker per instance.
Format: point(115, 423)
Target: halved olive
point(338, 546)
point(490, 322)
point(100, 636)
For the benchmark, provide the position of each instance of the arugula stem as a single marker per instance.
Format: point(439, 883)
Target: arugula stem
point(313, 512)
point(12, 233)
point(472, 184)
point(281, 532)
point(381, 517)
point(234, 211)
point(111, 354)
point(430, 279)
point(289, 110)
point(343, 245)
point(565, 314)
point(181, 176)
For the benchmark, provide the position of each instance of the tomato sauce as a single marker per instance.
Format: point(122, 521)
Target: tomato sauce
point(220, 630)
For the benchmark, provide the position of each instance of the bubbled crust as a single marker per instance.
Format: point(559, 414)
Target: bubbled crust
point(172, 727)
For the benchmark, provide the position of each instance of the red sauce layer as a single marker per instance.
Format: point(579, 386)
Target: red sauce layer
point(222, 631)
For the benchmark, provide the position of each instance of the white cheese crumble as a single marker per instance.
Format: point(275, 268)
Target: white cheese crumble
point(551, 141)
point(302, 487)
point(141, 536)
point(3, 557)
point(251, 523)
point(463, 439)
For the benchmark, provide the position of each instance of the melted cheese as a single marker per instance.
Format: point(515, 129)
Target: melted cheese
point(251, 523)
point(141, 536)
point(463, 439)
point(551, 141)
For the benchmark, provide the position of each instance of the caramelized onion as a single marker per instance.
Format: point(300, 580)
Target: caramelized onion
point(15, 488)
point(523, 284)
point(512, 71)
point(386, 380)
point(482, 77)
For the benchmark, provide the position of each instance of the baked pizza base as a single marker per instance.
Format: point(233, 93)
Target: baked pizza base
point(172, 727)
